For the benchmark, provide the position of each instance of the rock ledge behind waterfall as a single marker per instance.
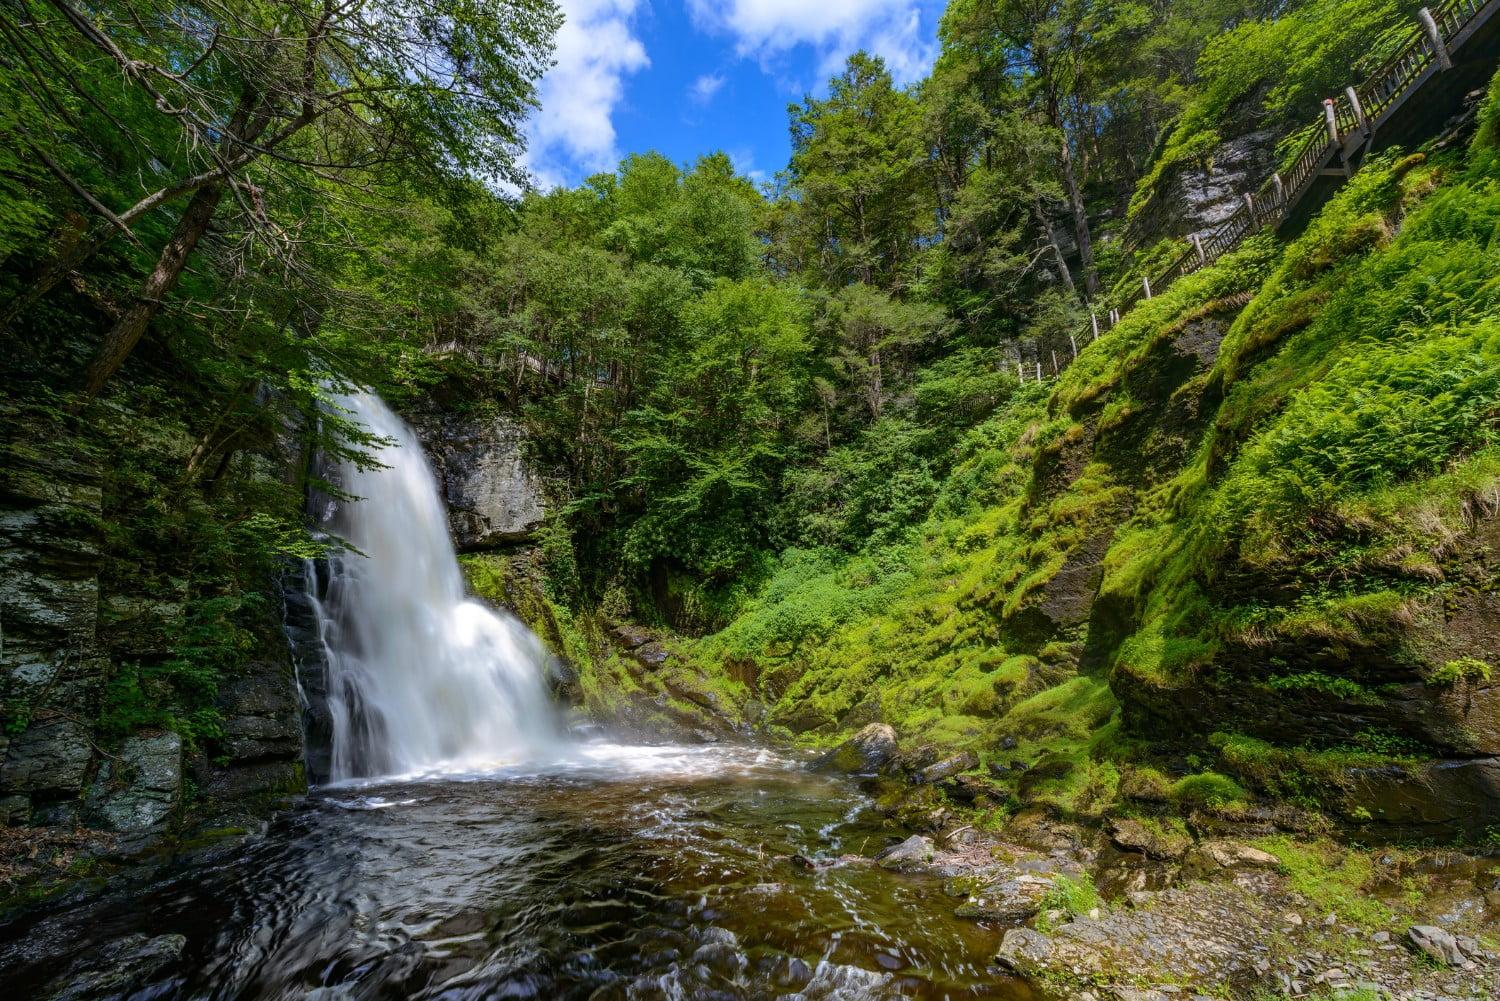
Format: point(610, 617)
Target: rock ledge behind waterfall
point(493, 496)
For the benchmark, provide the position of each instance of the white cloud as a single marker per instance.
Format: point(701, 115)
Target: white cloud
point(705, 87)
point(574, 131)
point(764, 29)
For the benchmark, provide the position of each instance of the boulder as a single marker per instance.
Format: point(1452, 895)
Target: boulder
point(652, 654)
point(948, 767)
point(1012, 898)
point(1438, 944)
point(870, 751)
point(1025, 951)
point(1158, 842)
point(630, 636)
point(913, 853)
point(138, 790)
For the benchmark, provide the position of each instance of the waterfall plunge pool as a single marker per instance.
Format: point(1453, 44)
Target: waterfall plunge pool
point(614, 872)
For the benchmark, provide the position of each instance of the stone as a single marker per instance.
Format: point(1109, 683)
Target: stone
point(872, 750)
point(1436, 943)
point(1163, 843)
point(1010, 899)
point(1126, 993)
point(14, 810)
point(949, 767)
point(119, 969)
point(49, 759)
point(1025, 951)
point(140, 789)
point(913, 853)
point(1232, 855)
point(1381, 937)
point(630, 636)
point(493, 496)
point(651, 654)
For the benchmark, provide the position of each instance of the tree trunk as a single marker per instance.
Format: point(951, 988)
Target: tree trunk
point(1045, 223)
point(1080, 220)
point(126, 333)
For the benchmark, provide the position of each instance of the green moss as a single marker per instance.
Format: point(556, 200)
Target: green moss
point(1209, 790)
point(1073, 896)
point(1463, 669)
point(1333, 879)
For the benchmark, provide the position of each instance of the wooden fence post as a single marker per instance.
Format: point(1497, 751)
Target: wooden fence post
point(1279, 188)
point(1359, 109)
point(1073, 341)
point(1197, 242)
point(1250, 208)
point(1020, 371)
point(1331, 120)
point(1436, 38)
point(1094, 319)
point(1038, 371)
point(1114, 317)
point(1146, 285)
point(1055, 368)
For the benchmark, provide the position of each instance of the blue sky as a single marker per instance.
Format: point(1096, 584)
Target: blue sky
point(686, 77)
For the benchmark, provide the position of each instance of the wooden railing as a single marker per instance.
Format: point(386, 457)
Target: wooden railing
point(1351, 113)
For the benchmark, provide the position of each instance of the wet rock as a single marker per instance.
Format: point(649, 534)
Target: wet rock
point(119, 969)
point(139, 789)
point(1444, 796)
point(493, 497)
point(1158, 842)
point(651, 654)
point(1010, 899)
point(1025, 951)
point(630, 636)
point(913, 853)
point(1438, 944)
point(870, 751)
point(48, 759)
point(948, 767)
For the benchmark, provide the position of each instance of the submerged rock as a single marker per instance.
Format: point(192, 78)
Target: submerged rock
point(119, 969)
point(870, 751)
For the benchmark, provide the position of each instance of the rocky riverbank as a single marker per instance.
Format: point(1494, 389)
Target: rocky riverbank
point(1143, 908)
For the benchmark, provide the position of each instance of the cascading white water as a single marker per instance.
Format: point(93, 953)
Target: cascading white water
point(420, 677)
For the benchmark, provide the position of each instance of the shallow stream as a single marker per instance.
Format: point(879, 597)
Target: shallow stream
point(617, 872)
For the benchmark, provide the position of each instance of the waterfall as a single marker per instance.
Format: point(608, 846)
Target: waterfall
point(420, 676)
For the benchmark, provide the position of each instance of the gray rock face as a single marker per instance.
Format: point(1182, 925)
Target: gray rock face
point(49, 760)
point(140, 789)
point(872, 749)
point(1195, 200)
point(493, 497)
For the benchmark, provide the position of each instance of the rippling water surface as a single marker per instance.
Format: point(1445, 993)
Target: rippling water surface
point(619, 872)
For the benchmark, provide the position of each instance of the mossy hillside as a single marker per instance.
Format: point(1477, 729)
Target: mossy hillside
point(1353, 449)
